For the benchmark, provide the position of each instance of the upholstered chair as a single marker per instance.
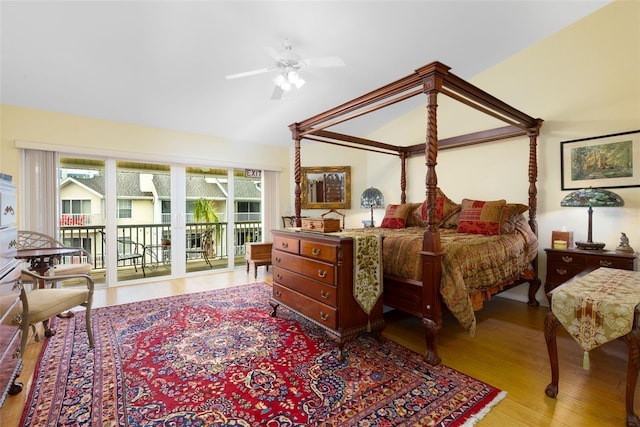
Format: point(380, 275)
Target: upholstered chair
point(40, 304)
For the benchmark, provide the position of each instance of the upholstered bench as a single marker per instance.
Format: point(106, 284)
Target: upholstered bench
point(596, 308)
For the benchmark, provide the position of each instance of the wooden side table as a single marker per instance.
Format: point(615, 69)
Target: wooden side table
point(563, 264)
point(258, 254)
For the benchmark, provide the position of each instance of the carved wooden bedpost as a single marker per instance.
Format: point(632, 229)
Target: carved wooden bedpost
point(403, 177)
point(297, 173)
point(533, 206)
point(431, 249)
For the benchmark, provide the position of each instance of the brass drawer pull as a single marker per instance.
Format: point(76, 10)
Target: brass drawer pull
point(315, 251)
point(285, 245)
point(324, 316)
point(324, 294)
point(277, 293)
point(605, 263)
point(567, 259)
point(322, 273)
point(561, 271)
point(279, 276)
point(278, 259)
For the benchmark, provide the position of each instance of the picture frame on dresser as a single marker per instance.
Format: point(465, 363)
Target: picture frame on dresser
point(607, 161)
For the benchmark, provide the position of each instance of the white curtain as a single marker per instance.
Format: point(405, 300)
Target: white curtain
point(270, 207)
point(39, 191)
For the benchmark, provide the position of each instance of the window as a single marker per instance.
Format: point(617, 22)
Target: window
point(248, 211)
point(124, 209)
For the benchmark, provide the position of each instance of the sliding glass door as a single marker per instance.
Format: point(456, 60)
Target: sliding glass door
point(142, 220)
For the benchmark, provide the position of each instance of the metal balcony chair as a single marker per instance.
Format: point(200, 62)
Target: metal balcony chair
point(129, 250)
point(202, 245)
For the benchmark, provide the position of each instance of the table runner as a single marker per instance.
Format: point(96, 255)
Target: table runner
point(367, 268)
point(598, 307)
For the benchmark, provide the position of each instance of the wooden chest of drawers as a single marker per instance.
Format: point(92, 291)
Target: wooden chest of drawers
point(313, 276)
point(563, 264)
point(10, 306)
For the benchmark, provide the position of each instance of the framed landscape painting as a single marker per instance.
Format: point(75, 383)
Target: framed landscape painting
point(608, 161)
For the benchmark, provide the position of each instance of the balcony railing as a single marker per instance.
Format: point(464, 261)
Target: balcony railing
point(154, 236)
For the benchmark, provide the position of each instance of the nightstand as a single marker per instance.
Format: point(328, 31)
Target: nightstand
point(563, 264)
point(258, 254)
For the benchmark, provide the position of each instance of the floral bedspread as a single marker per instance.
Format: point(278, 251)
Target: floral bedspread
point(471, 263)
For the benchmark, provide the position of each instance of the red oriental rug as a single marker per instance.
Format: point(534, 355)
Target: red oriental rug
point(218, 358)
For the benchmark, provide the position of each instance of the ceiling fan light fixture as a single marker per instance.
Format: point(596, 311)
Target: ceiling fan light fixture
point(279, 80)
point(285, 85)
point(299, 83)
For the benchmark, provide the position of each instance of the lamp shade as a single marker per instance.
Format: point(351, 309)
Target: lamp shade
point(594, 197)
point(591, 197)
point(372, 198)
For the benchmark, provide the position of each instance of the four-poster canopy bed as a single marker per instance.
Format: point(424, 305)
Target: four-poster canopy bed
point(423, 297)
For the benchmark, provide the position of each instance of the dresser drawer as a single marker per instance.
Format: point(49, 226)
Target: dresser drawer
point(568, 259)
point(319, 251)
point(559, 273)
point(319, 291)
point(612, 262)
point(317, 270)
point(9, 360)
point(286, 244)
point(9, 292)
point(8, 246)
point(8, 211)
point(321, 313)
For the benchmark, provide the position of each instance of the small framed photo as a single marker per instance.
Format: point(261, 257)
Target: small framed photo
point(608, 161)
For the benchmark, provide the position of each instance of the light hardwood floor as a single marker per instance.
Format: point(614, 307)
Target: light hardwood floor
point(508, 351)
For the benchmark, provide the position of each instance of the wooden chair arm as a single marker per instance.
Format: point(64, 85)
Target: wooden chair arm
point(58, 278)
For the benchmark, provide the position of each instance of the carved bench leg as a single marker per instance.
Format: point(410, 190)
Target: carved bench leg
point(633, 365)
point(550, 325)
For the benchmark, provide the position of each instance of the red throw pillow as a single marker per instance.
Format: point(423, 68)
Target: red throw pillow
point(480, 217)
point(395, 216)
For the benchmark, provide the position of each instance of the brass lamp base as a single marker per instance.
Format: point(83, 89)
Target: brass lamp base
point(591, 246)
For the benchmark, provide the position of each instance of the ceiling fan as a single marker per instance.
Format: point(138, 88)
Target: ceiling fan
point(288, 64)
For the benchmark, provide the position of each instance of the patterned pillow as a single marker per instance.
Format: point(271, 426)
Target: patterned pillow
point(414, 219)
point(510, 214)
point(480, 217)
point(395, 216)
point(445, 208)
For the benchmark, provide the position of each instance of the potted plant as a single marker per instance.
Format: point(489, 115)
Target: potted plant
point(204, 211)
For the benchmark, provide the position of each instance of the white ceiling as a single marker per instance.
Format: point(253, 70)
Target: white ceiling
point(162, 63)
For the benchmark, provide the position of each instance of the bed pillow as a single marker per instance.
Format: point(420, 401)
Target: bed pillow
point(445, 208)
point(480, 217)
point(414, 218)
point(510, 214)
point(395, 216)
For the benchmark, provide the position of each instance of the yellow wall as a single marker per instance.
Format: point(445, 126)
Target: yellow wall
point(584, 81)
point(87, 135)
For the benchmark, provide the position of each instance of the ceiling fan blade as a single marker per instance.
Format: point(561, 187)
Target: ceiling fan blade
point(250, 73)
point(328, 61)
point(277, 93)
